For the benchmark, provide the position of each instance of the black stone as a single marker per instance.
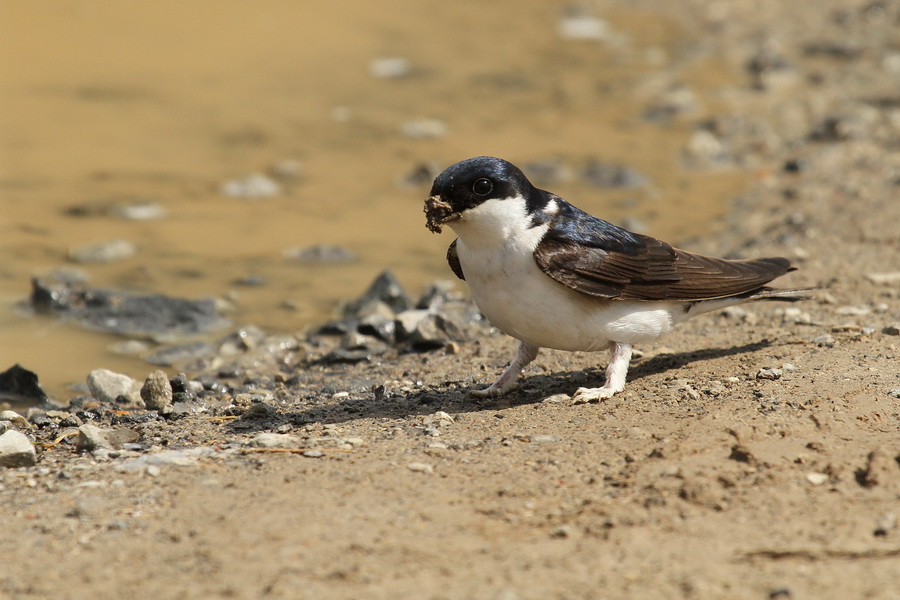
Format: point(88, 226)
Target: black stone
point(20, 384)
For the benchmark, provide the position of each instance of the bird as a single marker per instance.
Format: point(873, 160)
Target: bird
point(553, 276)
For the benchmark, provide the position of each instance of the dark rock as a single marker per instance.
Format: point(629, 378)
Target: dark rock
point(795, 165)
point(434, 296)
point(338, 327)
point(71, 421)
point(433, 332)
point(377, 321)
point(882, 469)
point(126, 313)
point(343, 355)
point(211, 384)
point(835, 50)
point(358, 341)
point(408, 321)
point(385, 289)
point(261, 410)
point(21, 385)
point(180, 383)
point(742, 454)
point(40, 419)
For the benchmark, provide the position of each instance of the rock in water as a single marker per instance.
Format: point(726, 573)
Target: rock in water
point(126, 313)
point(16, 450)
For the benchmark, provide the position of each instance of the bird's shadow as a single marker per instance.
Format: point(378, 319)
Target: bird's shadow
point(455, 396)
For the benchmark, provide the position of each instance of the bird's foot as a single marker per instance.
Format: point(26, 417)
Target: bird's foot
point(507, 380)
point(493, 391)
point(587, 395)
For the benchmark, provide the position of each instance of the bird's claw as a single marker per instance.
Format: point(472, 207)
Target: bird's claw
point(492, 391)
point(587, 395)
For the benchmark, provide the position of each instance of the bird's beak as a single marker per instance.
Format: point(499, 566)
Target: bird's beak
point(438, 212)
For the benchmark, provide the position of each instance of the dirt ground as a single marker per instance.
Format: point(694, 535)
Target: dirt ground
point(754, 454)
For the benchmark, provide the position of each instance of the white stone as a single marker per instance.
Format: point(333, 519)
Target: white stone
point(106, 385)
point(16, 450)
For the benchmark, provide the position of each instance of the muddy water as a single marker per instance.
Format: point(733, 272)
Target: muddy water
point(105, 103)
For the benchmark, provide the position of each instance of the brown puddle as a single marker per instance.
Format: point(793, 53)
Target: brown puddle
point(107, 104)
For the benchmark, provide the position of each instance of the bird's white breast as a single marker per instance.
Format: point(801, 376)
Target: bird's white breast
point(496, 251)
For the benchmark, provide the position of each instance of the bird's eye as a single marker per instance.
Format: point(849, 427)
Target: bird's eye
point(482, 186)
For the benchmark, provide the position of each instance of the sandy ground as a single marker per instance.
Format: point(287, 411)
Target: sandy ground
point(706, 478)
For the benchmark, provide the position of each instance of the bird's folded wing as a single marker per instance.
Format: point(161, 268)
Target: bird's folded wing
point(648, 269)
point(453, 260)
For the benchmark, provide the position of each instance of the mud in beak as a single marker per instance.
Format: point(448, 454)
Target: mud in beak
point(438, 212)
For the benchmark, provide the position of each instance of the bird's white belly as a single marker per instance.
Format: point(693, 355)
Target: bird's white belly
point(520, 300)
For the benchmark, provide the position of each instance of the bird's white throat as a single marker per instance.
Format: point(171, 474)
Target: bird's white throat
point(496, 224)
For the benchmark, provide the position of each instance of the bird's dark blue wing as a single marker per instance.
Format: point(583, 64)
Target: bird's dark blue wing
point(600, 259)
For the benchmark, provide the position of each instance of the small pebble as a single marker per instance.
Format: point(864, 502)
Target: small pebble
point(252, 187)
point(556, 399)
point(393, 67)
point(563, 531)
point(438, 418)
point(884, 278)
point(770, 374)
point(583, 27)
point(418, 467)
point(853, 311)
point(824, 341)
point(892, 329)
point(275, 440)
point(103, 252)
point(142, 211)
point(886, 523)
point(816, 478)
point(424, 129)
point(286, 169)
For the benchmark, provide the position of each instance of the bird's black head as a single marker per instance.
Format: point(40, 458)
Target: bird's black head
point(471, 182)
